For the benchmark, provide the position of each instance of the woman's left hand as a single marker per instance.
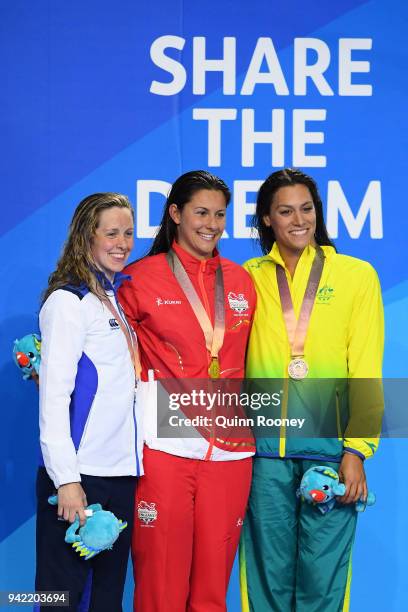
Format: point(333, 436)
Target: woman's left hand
point(352, 474)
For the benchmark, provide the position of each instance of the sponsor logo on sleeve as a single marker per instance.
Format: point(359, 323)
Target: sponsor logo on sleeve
point(165, 302)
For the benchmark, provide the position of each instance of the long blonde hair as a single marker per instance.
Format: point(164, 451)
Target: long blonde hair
point(76, 264)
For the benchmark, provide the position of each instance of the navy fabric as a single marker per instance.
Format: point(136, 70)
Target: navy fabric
point(80, 291)
point(106, 283)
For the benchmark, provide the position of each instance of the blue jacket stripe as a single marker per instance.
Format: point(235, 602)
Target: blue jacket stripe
point(86, 385)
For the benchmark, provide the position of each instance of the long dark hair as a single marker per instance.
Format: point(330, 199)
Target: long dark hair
point(181, 192)
point(266, 193)
point(76, 262)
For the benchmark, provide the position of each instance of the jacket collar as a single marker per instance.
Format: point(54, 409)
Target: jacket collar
point(108, 285)
point(193, 264)
point(306, 256)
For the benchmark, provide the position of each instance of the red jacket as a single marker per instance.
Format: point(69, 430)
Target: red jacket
point(172, 344)
point(171, 340)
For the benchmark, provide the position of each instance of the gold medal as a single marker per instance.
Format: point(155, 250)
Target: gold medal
point(298, 369)
point(214, 368)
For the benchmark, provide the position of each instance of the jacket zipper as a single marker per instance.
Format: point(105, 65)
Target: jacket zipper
point(285, 396)
point(203, 265)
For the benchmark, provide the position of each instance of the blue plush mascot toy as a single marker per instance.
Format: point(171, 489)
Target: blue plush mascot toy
point(27, 355)
point(320, 485)
point(99, 533)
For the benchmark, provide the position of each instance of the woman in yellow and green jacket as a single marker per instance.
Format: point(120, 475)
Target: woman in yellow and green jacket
point(292, 556)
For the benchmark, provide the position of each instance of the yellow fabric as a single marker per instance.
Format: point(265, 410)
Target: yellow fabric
point(243, 578)
point(346, 330)
point(346, 604)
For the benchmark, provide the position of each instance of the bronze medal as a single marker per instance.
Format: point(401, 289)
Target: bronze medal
point(298, 368)
point(297, 329)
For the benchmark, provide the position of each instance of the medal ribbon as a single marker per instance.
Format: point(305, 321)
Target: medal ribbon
point(297, 330)
point(214, 336)
point(130, 336)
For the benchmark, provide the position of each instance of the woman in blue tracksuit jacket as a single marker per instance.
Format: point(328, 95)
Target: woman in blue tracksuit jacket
point(88, 421)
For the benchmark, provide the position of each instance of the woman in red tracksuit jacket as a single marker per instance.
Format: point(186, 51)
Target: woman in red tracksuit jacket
point(191, 503)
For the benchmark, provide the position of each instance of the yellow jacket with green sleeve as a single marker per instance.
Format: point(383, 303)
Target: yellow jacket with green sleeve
point(344, 341)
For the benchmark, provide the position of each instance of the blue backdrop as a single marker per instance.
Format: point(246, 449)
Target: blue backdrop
point(97, 98)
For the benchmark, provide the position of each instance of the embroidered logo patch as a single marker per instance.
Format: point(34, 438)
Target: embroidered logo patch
point(237, 302)
point(240, 522)
point(147, 513)
point(114, 324)
point(325, 294)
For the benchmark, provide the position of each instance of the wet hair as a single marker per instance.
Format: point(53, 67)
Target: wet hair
point(76, 264)
point(286, 178)
point(181, 192)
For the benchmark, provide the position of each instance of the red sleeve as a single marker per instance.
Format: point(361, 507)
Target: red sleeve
point(128, 300)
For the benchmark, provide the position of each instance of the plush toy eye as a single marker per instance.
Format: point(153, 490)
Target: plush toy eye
point(30, 354)
point(325, 487)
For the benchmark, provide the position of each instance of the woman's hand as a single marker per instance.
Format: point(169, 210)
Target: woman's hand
point(352, 474)
point(72, 501)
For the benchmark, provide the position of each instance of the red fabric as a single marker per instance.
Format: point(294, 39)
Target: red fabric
point(170, 338)
point(184, 546)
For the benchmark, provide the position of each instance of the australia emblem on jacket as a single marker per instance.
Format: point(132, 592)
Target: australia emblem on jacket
point(237, 302)
point(146, 512)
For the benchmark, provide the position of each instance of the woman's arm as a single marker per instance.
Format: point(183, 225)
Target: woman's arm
point(63, 332)
point(365, 353)
point(365, 346)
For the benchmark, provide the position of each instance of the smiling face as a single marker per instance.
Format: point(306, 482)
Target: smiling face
point(200, 223)
point(113, 240)
point(292, 218)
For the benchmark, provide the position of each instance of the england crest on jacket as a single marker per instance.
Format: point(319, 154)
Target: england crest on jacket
point(237, 302)
point(147, 513)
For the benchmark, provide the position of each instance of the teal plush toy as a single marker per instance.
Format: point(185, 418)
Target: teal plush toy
point(27, 355)
point(99, 533)
point(320, 485)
